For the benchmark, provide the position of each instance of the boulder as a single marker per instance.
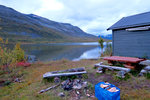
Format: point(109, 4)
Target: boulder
point(146, 63)
point(147, 68)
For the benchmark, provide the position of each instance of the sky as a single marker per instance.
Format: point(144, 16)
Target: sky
point(92, 16)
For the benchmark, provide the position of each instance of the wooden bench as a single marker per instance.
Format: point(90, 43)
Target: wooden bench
point(121, 73)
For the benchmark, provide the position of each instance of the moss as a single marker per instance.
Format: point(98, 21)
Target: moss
point(147, 75)
point(127, 76)
point(47, 80)
point(90, 86)
point(134, 72)
point(85, 76)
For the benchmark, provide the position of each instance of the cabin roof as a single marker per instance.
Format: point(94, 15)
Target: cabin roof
point(142, 19)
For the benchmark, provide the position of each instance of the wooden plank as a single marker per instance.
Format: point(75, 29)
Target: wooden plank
point(129, 66)
point(123, 59)
point(49, 74)
point(132, 44)
point(115, 68)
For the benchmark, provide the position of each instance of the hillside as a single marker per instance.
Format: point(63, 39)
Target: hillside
point(107, 37)
point(30, 28)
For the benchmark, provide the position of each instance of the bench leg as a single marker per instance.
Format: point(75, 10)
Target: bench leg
point(101, 70)
point(121, 74)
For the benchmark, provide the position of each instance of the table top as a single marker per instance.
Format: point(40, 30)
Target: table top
point(123, 59)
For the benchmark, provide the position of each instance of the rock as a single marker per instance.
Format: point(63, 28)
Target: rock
point(79, 76)
point(78, 92)
point(84, 84)
point(7, 82)
point(31, 58)
point(88, 95)
point(17, 80)
point(67, 85)
point(146, 63)
point(78, 86)
point(147, 68)
point(100, 69)
point(144, 71)
point(61, 94)
point(57, 80)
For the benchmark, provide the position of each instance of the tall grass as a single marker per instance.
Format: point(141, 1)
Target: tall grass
point(108, 49)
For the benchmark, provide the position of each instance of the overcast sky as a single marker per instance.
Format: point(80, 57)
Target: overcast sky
point(92, 16)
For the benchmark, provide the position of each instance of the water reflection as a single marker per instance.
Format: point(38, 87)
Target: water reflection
point(70, 51)
point(90, 54)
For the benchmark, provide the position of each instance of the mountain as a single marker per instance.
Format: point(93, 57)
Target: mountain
point(29, 27)
point(108, 37)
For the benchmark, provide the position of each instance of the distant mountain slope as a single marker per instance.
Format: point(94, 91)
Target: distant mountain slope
point(108, 37)
point(29, 27)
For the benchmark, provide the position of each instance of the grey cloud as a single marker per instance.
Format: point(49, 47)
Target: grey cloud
point(93, 16)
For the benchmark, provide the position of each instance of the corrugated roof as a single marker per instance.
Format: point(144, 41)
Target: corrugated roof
point(132, 21)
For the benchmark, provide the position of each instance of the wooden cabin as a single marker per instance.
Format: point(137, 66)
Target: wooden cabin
point(131, 36)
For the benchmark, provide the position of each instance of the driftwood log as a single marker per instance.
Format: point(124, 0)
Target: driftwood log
point(68, 72)
point(52, 87)
point(49, 75)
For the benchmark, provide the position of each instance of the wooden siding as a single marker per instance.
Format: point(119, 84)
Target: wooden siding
point(131, 44)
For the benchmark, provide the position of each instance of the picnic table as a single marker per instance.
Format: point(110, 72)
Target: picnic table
point(129, 62)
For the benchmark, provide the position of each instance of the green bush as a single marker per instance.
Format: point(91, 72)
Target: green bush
point(108, 49)
point(101, 42)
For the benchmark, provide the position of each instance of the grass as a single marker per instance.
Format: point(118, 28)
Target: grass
point(133, 88)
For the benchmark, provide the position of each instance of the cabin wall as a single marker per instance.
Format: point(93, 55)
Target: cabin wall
point(131, 44)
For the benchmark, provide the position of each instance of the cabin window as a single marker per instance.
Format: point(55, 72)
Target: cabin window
point(139, 28)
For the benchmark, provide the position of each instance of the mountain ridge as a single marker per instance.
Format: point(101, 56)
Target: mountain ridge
point(107, 37)
point(30, 27)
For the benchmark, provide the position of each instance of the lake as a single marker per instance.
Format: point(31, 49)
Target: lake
point(57, 51)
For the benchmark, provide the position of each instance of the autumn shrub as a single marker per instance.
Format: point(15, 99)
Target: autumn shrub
point(5, 56)
point(18, 53)
point(10, 56)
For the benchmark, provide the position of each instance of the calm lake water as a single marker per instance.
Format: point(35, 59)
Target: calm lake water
point(57, 51)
